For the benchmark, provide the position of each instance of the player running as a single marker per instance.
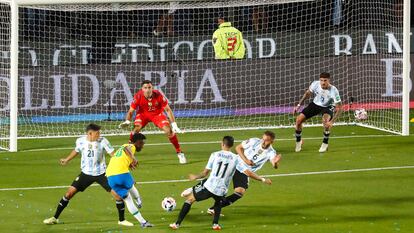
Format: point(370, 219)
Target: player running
point(120, 179)
point(325, 102)
point(92, 148)
point(222, 165)
point(254, 152)
point(149, 105)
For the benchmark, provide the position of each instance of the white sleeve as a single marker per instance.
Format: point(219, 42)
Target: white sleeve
point(336, 97)
point(241, 166)
point(107, 146)
point(78, 146)
point(248, 143)
point(272, 156)
point(313, 86)
point(210, 162)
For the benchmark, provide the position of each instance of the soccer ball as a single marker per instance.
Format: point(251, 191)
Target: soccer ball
point(360, 114)
point(168, 204)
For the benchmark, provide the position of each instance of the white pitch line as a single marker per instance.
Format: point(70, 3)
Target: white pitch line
point(274, 175)
point(212, 142)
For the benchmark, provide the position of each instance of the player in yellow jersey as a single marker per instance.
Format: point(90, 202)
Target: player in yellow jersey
point(228, 41)
point(121, 180)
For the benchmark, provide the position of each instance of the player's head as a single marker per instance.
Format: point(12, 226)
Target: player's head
point(220, 18)
point(228, 142)
point(147, 87)
point(324, 79)
point(268, 138)
point(93, 131)
point(138, 139)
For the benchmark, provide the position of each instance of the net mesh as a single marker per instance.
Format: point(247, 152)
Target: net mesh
point(83, 63)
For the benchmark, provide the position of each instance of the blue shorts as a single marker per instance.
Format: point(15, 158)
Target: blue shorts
point(121, 183)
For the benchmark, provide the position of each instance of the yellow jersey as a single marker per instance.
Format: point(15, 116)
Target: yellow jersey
point(119, 163)
point(228, 42)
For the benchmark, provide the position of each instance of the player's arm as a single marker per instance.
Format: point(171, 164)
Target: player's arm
point(129, 153)
point(170, 115)
point(257, 177)
point(203, 174)
point(66, 160)
point(338, 111)
point(275, 161)
point(241, 49)
point(128, 118)
point(240, 152)
point(305, 96)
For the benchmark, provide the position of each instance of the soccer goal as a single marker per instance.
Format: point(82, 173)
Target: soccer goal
point(65, 63)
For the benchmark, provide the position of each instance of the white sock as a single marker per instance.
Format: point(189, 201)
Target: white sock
point(133, 209)
point(135, 195)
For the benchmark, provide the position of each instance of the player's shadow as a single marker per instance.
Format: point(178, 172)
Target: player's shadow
point(300, 214)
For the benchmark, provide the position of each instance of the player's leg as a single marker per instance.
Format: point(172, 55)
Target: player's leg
point(135, 195)
point(120, 205)
point(300, 119)
point(240, 184)
point(61, 206)
point(217, 211)
point(326, 117)
point(121, 184)
point(311, 110)
point(80, 183)
point(162, 122)
point(199, 193)
point(190, 199)
point(139, 123)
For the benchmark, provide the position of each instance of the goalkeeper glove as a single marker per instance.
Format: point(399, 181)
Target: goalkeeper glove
point(124, 124)
point(175, 128)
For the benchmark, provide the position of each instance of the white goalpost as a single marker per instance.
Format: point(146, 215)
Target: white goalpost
point(66, 63)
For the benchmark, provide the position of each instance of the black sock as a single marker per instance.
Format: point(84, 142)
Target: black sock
point(298, 135)
point(184, 211)
point(62, 204)
point(326, 136)
point(231, 199)
point(120, 205)
point(217, 211)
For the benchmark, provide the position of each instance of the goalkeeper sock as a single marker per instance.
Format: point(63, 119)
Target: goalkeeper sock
point(62, 204)
point(298, 134)
point(326, 136)
point(174, 140)
point(120, 205)
point(184, 211)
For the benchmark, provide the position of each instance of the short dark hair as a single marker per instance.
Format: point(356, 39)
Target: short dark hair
point(93, 127)
point(270, 134)
point(325, 75)
point(228, 141)
point(138, 137)
point(146, 82)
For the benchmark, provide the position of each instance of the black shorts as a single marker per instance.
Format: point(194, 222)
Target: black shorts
point(312, 110)
point(83, 181)
point(240, 180)
point(201, 193)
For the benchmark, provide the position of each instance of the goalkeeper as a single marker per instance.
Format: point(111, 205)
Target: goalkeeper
point(228, 41)
point(150, 105)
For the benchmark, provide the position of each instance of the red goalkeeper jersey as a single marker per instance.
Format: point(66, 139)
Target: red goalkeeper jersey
point(153, 105)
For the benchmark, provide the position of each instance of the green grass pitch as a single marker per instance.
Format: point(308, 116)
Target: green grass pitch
point(298, 201)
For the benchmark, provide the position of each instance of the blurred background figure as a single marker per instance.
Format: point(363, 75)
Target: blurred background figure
point(166, 21)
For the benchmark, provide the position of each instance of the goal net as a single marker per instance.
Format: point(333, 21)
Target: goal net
point(82, 63)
